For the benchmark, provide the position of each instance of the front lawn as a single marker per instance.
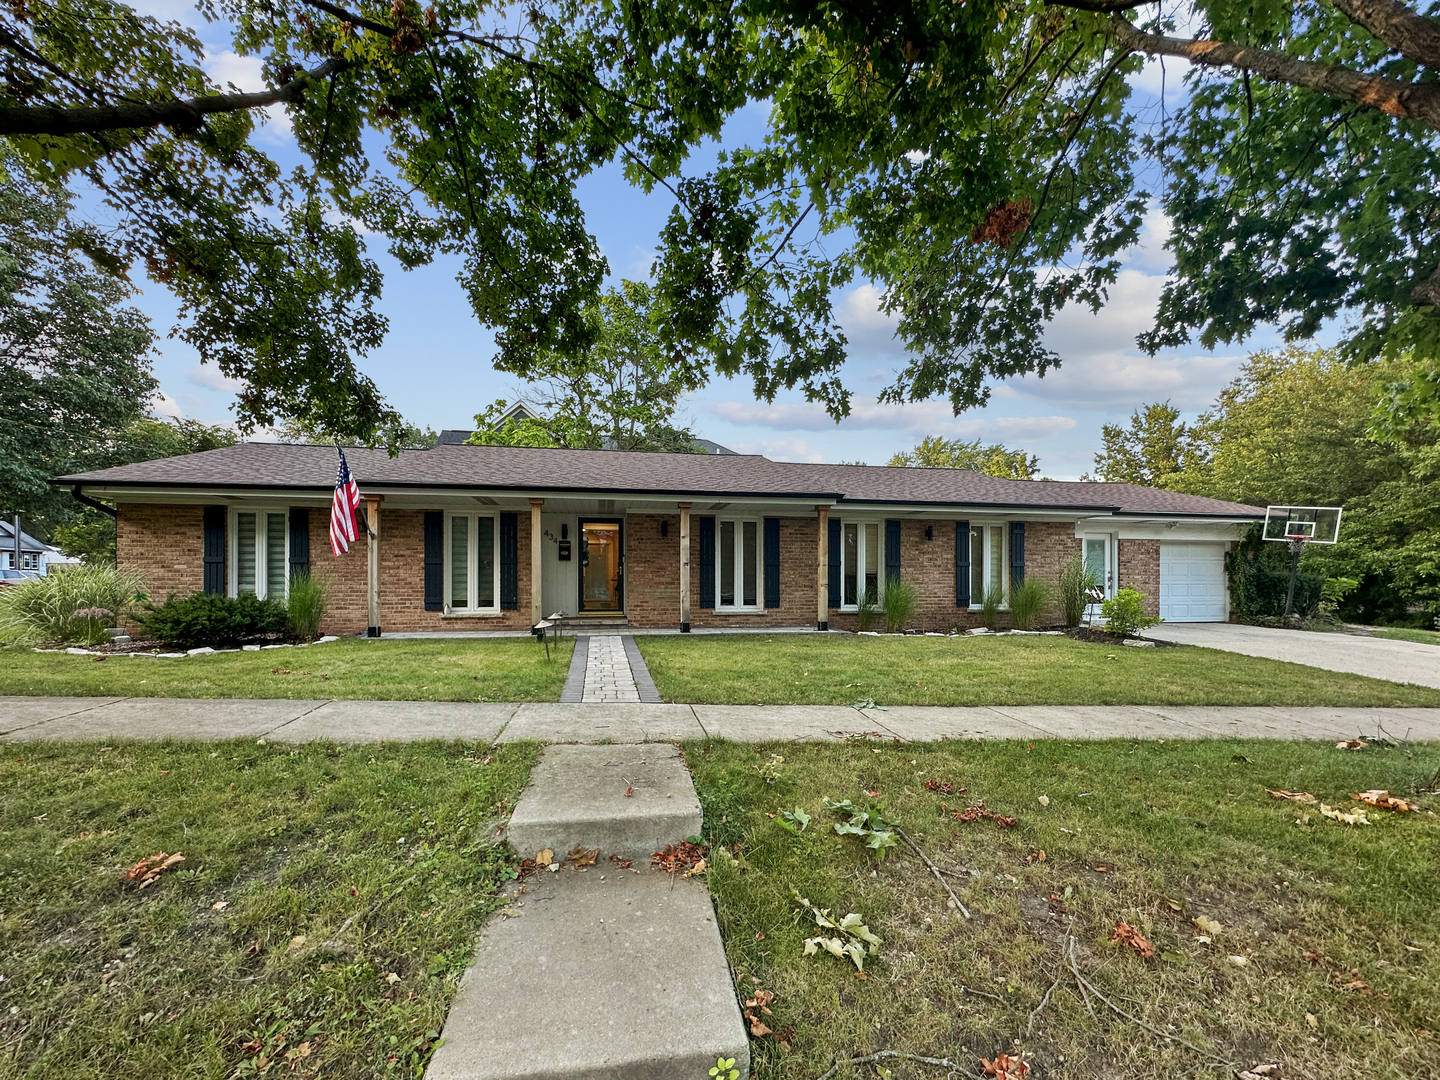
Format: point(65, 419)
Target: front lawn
point(1425, 637)
point(498, 669)
point(1319, 952)
point(833, 669)
point(325, 909)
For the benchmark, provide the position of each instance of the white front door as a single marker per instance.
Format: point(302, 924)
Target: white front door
point(1192, 582)
point(1100, 561)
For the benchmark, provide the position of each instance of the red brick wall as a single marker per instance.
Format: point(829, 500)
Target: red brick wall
point(1140, 568)
point(165, 543)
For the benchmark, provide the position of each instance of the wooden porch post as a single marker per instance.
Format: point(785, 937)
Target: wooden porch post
point(684, 567)
point(535, 564)
point(822, 572)
point(372, 588)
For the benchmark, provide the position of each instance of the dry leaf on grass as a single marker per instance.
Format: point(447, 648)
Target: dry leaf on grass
point(1356, 818)
point(1126, 934)
point(1208, 925)
point(1269, 1070)
point(1005, 1067)
point(1297, 796)
point(149, 869)
point(975, 813)
point(683, 856)
point(760, 1001)
point(1384, 801)
point(1351, 744)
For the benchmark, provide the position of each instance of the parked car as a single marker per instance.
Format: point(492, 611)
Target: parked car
point(14, 577)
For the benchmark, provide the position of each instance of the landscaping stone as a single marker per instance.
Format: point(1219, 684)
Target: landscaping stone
point(327, 637)
point(73, 651)
point(204, 650)
point(577, 795)
point(249, 648)
point(599, 974)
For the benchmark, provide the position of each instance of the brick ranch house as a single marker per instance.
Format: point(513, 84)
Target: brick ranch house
point(492, 538)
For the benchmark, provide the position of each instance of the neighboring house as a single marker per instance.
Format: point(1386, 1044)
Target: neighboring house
point(497, 537)
point(35, 557)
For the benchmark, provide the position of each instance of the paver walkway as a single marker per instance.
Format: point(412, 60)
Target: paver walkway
point(285, 720)
point(608, 668)
point(1380, 658)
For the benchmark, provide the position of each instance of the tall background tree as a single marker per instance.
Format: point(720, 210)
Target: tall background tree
point(993, 459)
point(1154, 449)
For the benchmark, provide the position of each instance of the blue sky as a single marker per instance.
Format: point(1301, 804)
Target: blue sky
point(435, 365)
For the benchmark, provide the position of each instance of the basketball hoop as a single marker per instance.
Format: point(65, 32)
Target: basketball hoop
point(1298, 526)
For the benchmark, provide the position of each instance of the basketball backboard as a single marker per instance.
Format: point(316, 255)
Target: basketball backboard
point(1311, 524)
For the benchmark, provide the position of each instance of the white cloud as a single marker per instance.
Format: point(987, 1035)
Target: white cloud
point(870, 331)
point(245, 73)
point(165, 407)
point(210, 377)
point(916, 419)
point(792, 449)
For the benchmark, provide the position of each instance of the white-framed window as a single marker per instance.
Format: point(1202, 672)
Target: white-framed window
point(260, 552)
point(29, 560)
point(738, 569)
point(472, 563)
point(989, 562)
point(862, 557)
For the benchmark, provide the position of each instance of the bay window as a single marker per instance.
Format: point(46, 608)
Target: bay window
point(989, 564)
point(260, 553)
point(737, 564)
point(860, 562)
point(472, 563)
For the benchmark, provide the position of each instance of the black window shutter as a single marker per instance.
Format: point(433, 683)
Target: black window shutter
point(510, 562)
point(434, 560)
point(892, 550)
point(299, 541)
point(214, 550)
point(1017, 553)
point(834, 553)
point(962, 564)
point(772, 562)
point(707, 562)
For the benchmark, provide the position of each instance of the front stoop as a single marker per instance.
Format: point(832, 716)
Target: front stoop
point(606, 973)
point(599, 973)
point(576, 795)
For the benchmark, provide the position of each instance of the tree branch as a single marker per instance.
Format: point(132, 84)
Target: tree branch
point(1103, 7)
point(1412, 101)
point(1427, 293)
point(185, 114)
point(1410, 34)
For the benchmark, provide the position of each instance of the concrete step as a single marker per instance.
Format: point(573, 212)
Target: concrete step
point(577, 795)
point(597, 974)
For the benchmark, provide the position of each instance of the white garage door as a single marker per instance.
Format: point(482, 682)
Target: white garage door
point(1192, 582)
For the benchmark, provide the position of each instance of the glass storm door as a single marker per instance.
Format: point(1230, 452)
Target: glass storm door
point(1098, 562)
point(601, 567)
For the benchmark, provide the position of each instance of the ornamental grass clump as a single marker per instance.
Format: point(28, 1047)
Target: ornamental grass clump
point(1027, 601)
point(991, 600)
point(70, 607)
point(1077, 582)
point(866, 612)
point(308, 602)
point(898, 604)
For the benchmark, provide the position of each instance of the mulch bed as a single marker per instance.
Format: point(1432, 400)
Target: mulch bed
point(1101, 637)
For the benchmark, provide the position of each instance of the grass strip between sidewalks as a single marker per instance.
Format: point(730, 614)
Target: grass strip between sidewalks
point(834, 669)
point(1322, 953)
point(325, 909)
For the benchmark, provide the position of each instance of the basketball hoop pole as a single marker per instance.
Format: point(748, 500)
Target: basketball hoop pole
point(1297, 547)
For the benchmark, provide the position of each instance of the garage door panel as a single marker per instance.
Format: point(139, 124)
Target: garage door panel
point(1192, 582)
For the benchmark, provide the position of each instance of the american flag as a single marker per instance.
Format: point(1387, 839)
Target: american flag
point(342, 509)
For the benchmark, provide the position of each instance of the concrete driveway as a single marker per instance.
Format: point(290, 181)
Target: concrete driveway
point(1380, 658)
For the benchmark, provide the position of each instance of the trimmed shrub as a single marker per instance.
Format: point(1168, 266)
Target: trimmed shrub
point(1027, 601)
point(189, 622)
point(898, 604)
point(1124, 613)
point(309, 600)
point(1076, 583)
point(69, 606)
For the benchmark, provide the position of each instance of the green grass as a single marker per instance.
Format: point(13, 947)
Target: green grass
point(1181, 829)
point(1425, 637)
point(783, 669)
point(500, 669)
point(329, 900)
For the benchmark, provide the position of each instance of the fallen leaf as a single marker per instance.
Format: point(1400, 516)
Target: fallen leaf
point(148, 870)
point(945, 787)
point(623, 864)
point(219, 905)
point(1384, 801)
point(1207, 925)
point(698, 868)
point(1269, 1070)
point(757, 1027)
point(544, 857)
point(1174, 905)
point(1005, 1067)
point(1296, 796)
point(1359, 985)
point(1038, 855)
point(391, 978)
point(1313, 1021)
point(1356, 818)
point(1351, 744)
point(1044, 800)
point(677, 857)
point(582, 856)
point(1126, 934)
point(1239, 961)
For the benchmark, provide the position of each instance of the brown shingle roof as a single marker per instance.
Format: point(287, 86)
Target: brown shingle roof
point(279, 465)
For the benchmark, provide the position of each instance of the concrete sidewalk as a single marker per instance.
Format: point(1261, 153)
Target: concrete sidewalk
point(284, 720)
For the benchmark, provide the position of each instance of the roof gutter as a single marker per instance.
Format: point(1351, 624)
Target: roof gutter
point(85, 500)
